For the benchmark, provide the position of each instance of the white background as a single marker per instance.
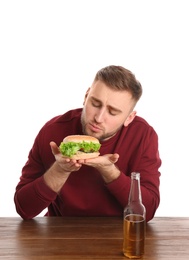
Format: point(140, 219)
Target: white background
point(49, 54)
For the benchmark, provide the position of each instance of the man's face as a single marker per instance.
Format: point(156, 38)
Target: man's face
point(105, 111)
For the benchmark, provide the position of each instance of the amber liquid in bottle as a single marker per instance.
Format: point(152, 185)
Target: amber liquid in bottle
point(134, 222)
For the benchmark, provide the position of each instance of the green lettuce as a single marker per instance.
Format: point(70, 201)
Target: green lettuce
point(70, 148)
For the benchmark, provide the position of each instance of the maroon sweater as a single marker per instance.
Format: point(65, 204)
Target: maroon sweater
point(85, 193)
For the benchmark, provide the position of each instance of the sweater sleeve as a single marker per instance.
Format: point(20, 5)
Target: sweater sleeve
point(147, 162)
point(32, 195)
point(33, 198)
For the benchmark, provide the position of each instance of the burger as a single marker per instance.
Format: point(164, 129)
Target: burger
point(80, 147)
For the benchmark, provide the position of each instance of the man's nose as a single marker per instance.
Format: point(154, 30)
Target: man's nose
point(100, 115)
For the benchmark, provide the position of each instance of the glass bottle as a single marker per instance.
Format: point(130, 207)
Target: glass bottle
point(134, 221)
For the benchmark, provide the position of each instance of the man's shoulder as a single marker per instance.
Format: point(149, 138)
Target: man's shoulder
point(66, 117)
point(140, 125)
point(60, 126)
point(140, 120)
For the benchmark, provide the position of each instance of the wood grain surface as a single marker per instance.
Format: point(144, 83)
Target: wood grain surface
point(88, 238)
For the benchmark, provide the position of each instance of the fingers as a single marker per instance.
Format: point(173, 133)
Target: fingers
point(65, 163)
point(104, 160)
point(114, 157)
point(74, 165)
point(54, 148)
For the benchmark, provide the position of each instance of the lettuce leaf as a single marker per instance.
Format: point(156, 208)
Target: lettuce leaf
point(70, 148)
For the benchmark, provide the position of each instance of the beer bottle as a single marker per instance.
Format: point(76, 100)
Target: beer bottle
point(134, 221)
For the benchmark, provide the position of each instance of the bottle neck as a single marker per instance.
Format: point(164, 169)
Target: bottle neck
point(135, 192)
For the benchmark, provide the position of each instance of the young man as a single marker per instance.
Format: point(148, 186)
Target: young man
point(98, 186)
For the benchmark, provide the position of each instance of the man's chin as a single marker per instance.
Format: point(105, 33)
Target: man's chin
point(87, 131)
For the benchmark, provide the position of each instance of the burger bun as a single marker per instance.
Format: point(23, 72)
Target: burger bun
point(79, 139)
point(80, 155)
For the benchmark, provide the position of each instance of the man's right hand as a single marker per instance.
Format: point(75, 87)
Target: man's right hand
point(59, 172)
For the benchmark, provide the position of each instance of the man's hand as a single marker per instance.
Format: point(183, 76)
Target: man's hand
point(59, 172)
point(105, 165)
point(66, 164)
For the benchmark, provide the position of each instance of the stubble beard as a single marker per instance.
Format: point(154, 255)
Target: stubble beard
point(103, 136)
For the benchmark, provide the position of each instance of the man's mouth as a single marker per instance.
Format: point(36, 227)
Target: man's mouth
point(94, 128)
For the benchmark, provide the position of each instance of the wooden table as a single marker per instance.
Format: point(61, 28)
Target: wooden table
point(88, 238)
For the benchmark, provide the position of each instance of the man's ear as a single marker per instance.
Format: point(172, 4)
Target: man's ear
point(86, 94)
point(130, 118)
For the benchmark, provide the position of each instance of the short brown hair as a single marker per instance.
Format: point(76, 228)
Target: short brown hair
point(120, 78)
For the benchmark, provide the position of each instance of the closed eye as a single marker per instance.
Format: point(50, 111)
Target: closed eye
point(111, 110)
point(96, 104)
